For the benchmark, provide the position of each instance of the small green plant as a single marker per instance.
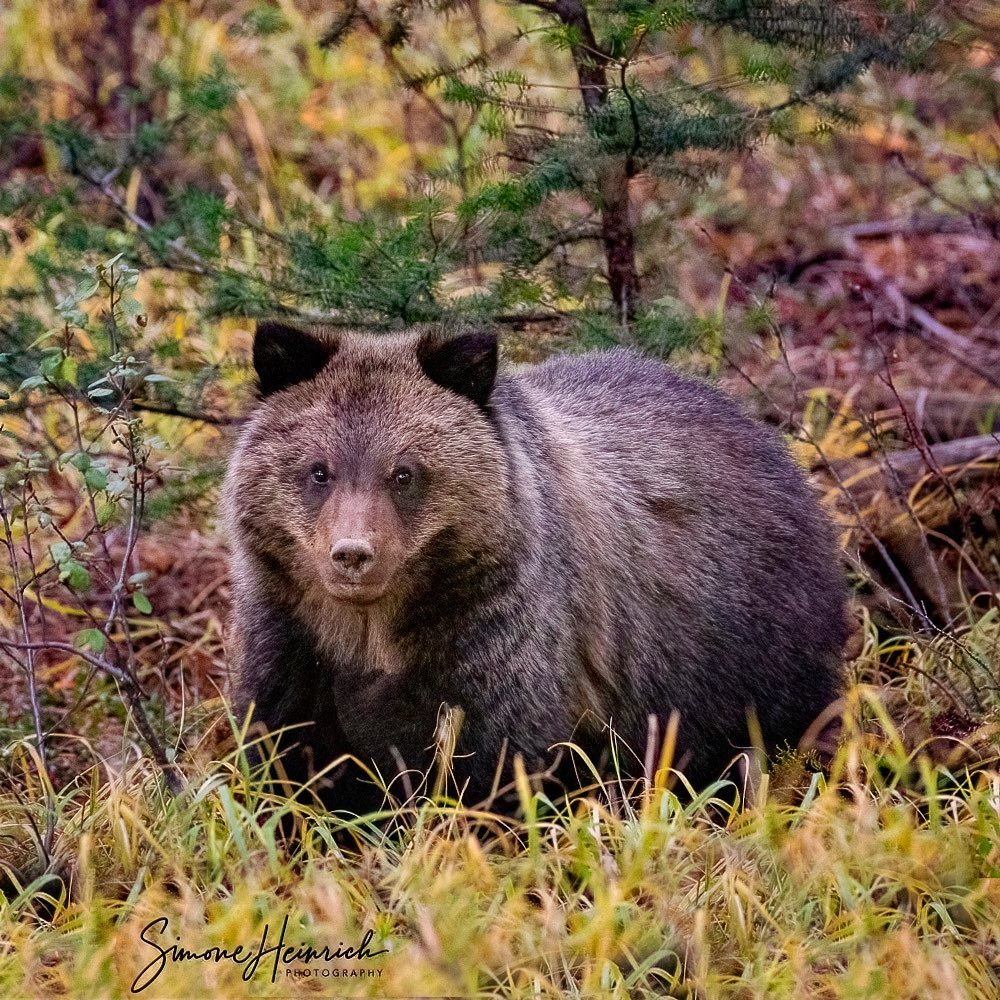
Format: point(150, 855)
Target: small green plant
point(72, 510)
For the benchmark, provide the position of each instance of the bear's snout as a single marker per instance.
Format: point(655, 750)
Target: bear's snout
point(352, 558)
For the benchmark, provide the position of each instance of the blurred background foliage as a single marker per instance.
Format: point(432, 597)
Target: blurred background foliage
point(391, 163)
point(796, 198)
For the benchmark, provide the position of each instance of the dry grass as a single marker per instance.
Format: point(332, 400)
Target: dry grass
point(874, 879)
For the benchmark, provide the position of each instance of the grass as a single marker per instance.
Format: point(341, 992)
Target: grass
point(870, 879)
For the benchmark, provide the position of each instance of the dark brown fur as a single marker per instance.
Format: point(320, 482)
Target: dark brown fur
point(590, 541)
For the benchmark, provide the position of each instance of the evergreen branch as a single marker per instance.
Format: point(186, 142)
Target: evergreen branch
point(583, 234)
point(476, 61)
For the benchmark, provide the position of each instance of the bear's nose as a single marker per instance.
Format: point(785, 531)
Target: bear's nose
point(352, 557)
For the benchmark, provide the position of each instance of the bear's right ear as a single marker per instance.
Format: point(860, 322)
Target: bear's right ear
point(285, 355)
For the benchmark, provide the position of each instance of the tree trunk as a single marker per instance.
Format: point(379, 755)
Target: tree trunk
point(617, 232)
point(619, 238)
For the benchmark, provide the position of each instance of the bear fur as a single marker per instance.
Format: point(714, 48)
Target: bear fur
point(595, 541)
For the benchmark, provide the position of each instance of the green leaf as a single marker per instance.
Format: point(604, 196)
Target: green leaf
point(141, 602)
point(85, 290)
point(68, 370)
point(61, 551)
point(91, 638)
point(96, 479)
point(75, 575)
point(51, 364)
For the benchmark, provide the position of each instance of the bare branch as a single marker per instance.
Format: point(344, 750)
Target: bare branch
point(165, 409)
point(911, 464)
point(932, 329)
point(133, 694)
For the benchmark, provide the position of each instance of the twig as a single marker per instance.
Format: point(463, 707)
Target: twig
point(909, 597)
point(354, 322)
point(32, 679)
point(910, 464)
point(195, 260)
point(933, 330)
point(920, 225)
point(919, 440)
point(151, 406)
point(133, 694)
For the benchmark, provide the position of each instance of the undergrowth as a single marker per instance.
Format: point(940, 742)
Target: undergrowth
point(874, 877)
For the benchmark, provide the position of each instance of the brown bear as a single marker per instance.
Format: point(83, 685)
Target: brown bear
point(560, 551)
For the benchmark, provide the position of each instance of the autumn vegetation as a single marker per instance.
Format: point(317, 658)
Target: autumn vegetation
point(795, 199)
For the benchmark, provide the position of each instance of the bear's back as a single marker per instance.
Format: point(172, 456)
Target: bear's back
point(703, 569)
point(631, 429)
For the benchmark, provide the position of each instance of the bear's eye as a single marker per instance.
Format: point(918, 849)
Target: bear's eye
point(319, 474)
point(402, 477)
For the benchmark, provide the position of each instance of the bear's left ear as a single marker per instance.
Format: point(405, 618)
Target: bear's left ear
point(466, 364)
point(285, 355)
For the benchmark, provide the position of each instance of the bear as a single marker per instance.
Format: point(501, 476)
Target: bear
point(574, 552)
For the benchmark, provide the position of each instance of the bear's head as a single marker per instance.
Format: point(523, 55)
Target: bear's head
point(368, 457)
